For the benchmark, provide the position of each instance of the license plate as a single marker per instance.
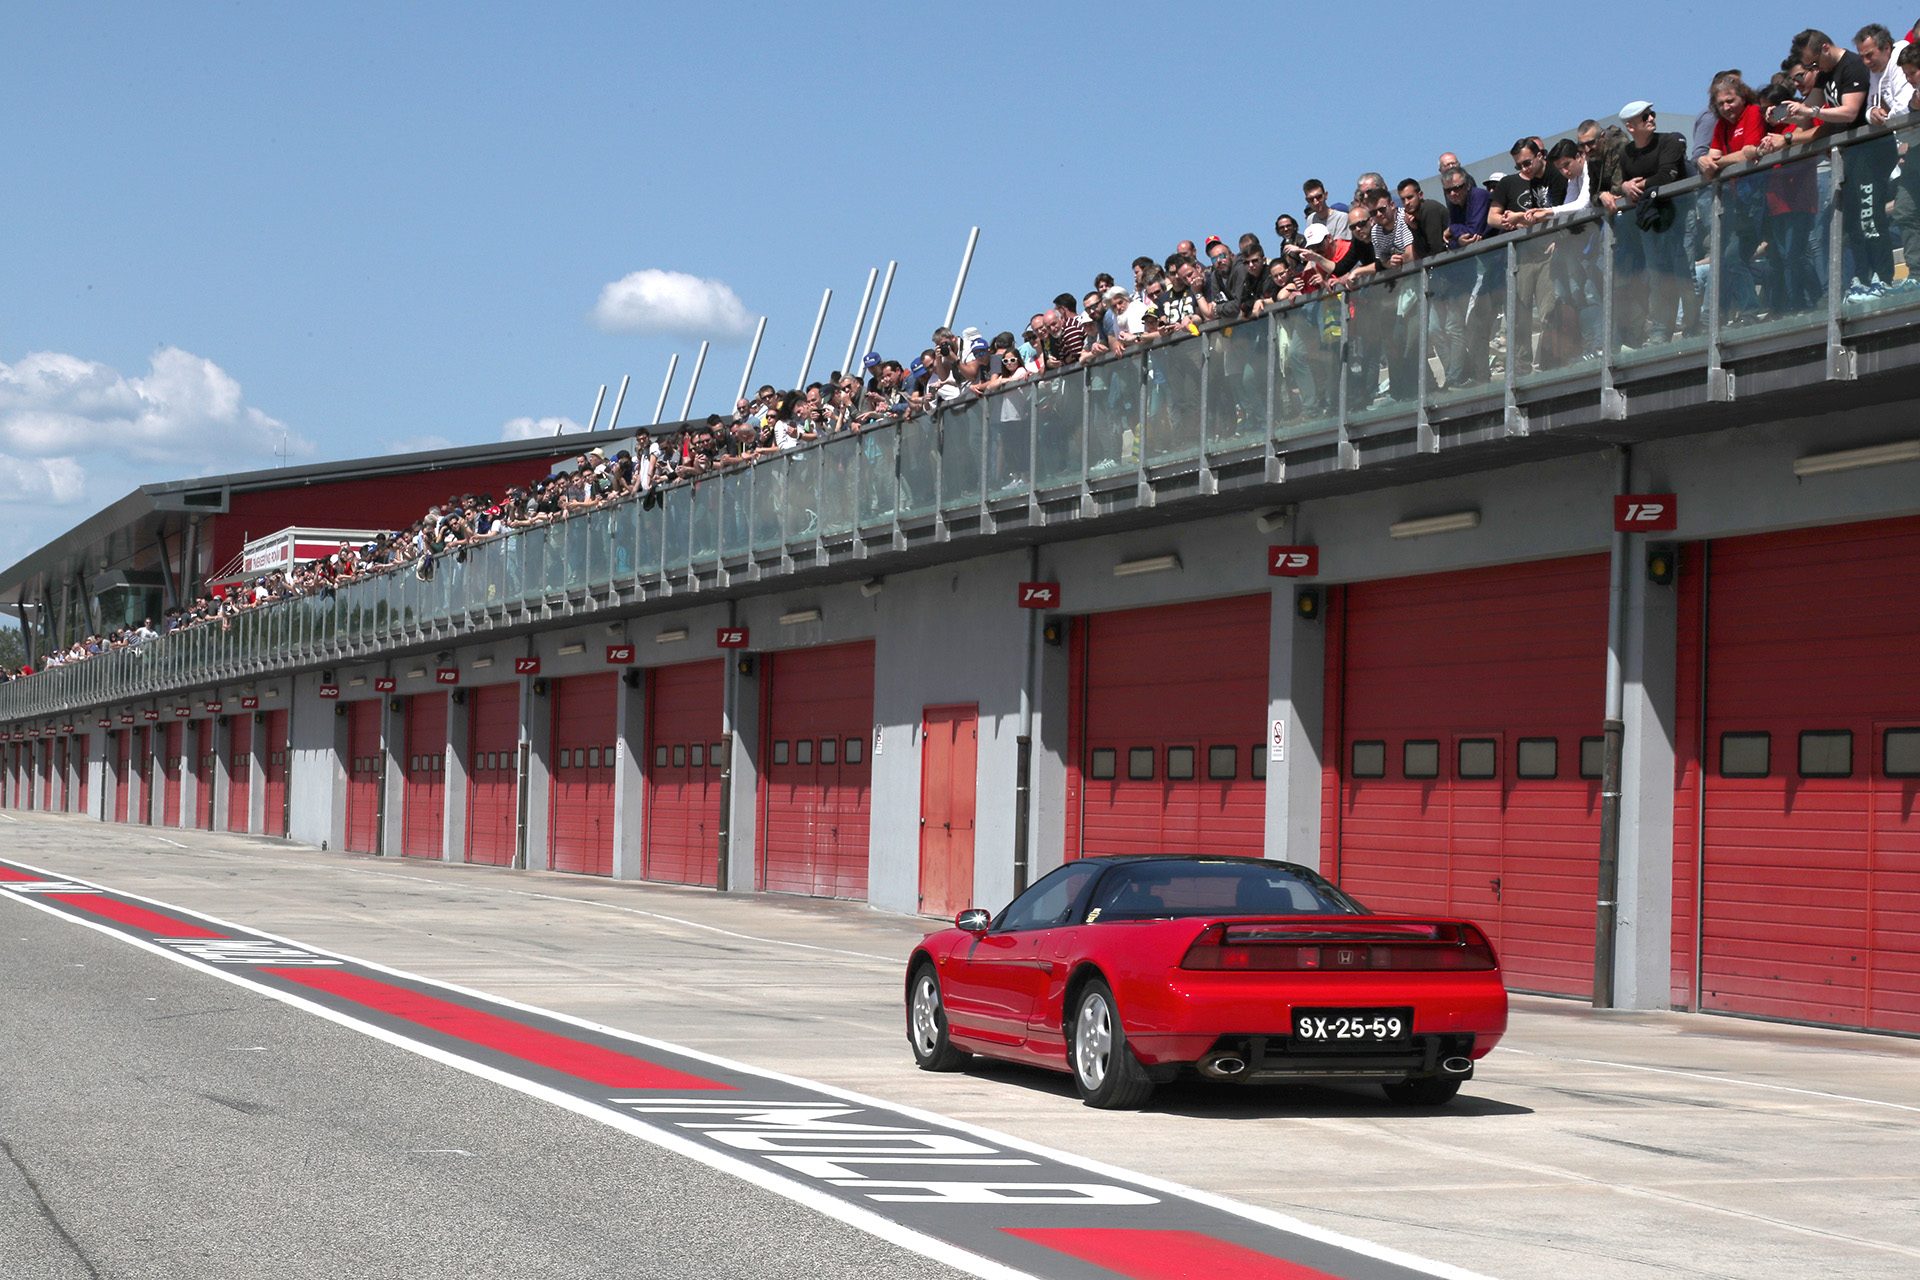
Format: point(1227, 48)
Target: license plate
point(1353, 1026)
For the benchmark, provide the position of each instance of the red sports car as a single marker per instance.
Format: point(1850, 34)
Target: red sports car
point(1128, 971)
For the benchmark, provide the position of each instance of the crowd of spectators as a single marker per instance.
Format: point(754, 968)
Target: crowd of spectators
point(1773, 257)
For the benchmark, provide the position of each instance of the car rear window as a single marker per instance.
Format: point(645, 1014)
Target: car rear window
point(1164, 890)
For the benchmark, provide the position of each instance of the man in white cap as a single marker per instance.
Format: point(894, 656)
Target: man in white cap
point(1652, 254)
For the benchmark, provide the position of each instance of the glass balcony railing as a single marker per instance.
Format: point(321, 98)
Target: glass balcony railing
point(1763, 260)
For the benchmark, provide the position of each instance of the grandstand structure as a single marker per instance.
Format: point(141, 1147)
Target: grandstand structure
point(1611, 651)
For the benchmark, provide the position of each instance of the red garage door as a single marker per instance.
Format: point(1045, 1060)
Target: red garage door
point(684, 717)
point(143, 775)
point(1467, 706)
point(813, 827)
point(1169, 708)
point(363, 776)
point(206, 766)
point(273, 820)
point(423, 800)
point(239, 771)
point(122, 774)
point(493, 725)
point(1810, 908)
point(175, 740)
point(585, 713)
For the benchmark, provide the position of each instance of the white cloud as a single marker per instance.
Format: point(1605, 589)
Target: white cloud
point(185, 410)
point(536, 428)
point(76, 434)
point(672, 302)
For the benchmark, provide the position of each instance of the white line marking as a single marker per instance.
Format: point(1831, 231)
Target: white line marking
point(9, 818)
point(175, 843)
point(853, 1215)
point(1713, 1079)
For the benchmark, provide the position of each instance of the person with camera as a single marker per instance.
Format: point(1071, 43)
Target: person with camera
point(1651, 262)
point(1839, 103)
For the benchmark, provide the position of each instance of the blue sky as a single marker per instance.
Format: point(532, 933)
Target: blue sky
point(353, 228)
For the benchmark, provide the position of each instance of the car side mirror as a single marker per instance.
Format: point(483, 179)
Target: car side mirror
point(974, 920)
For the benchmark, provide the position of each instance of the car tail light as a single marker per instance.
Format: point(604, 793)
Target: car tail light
point(1332, 946)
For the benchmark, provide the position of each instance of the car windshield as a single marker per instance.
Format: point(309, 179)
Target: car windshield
point(1163, 890)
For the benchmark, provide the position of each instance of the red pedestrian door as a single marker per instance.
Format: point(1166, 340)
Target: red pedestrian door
point(585, 713)
point(493, 800)
point(816, 780)
point(142, 776)
point(949, 753)
point(121, 772)
point(363, 776)
point(175, 740)
point(273, 819)
point(684, 718)
point(206, 767)
point(239, 771)
point(423, 803)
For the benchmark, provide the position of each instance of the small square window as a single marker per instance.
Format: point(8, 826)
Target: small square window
point(660, 756)
point(697, 755)
point(413, 764)
point(566, 758)
point(1479, 758)
point(1180, 764)
point(1745, 755)
point(780, 751)
point(1537, 758)
point(1593, 757)
point(856, 747)
point(1223, 763)
point(715, 756)
point(680, 755)
point(1826, 753)
point(829, 750)
point(1900, 757)
point(1420, 758)
point(607, 755)
point(1140, 764)
point(593, 757)
point(1369, 760)
point(803, 751)
point(1258, 755)
point(1104, 764)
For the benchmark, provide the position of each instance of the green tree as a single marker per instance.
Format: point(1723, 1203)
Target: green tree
point(13, 648)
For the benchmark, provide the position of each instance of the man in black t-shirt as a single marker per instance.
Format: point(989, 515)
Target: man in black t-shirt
point(1838, 103)
point(1651, 234)
point(1522, 199)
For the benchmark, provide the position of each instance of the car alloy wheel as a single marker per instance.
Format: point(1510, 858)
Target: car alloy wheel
point(1093, 1041)
point(927, 1025)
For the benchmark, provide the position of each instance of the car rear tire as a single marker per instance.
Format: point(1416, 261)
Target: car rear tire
point(927, 1025)
point(1426, 1091)
point(1105, 1071)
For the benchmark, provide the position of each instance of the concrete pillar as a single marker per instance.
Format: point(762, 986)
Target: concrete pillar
point(393, 778)
point(536, 778)
point(629, 781)
point(453, 831)
point(257, 775)
point(1295, 724)
point(99, 774)
point(740, 712)
point(1643, 953)
point(1047, 832)
point(316, 764)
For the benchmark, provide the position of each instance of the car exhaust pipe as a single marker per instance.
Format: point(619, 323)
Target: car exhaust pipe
point(1224, 1067)
point(1456, 1066)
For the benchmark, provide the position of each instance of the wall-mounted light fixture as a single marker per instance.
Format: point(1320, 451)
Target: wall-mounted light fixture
point(1452, 522)
point(1147, 564)
point(1875, 455)
point(873, 587)
point(568, 650)
point(481, 664)
point(799, 616)
point(672, 635)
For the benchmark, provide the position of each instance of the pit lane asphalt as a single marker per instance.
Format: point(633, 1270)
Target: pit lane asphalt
point(155, 1122)
point(1616, 1145)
